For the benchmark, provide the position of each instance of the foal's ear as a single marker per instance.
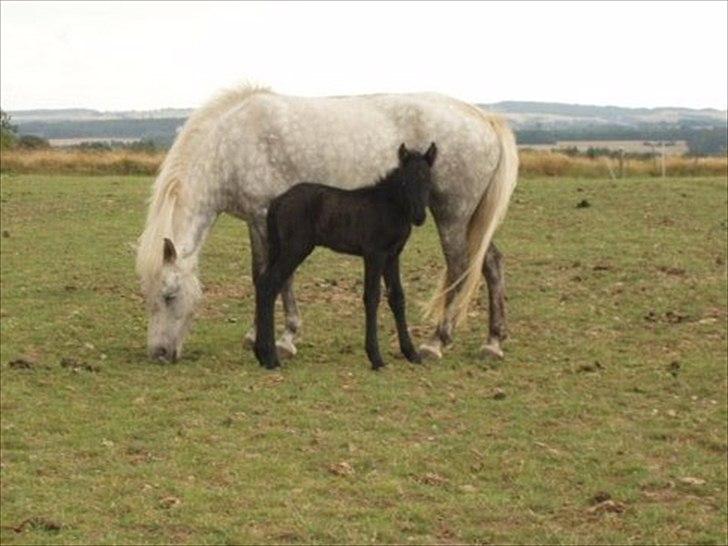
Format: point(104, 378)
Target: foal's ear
point(402, 152)
point(170, 253)
point(431, 154)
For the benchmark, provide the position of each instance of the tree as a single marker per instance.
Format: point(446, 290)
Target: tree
point(8, 131)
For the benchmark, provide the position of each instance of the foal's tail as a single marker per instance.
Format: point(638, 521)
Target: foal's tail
point(482, 225)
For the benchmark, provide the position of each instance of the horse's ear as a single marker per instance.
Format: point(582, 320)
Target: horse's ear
point(431, 154)
point(402, 152)
point(170, 253)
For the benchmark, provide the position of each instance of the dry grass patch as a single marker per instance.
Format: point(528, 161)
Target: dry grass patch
point(533, 163)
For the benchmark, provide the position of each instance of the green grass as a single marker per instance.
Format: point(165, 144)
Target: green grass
point(602, 302)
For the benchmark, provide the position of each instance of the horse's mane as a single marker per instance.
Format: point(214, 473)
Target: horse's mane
point(168, 191)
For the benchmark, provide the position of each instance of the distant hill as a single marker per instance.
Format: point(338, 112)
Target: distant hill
point(84, 114)
point(551, 115)
point(536, 123)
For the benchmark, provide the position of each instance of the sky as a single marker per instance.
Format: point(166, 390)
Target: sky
point(146, 55)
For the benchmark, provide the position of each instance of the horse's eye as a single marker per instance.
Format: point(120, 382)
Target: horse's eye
point(168, 298)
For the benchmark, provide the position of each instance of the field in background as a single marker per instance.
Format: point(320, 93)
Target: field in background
point(678, 147)
point(534, 163)
point(605, 423)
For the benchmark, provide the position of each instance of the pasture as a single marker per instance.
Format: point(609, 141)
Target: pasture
point(605, 422)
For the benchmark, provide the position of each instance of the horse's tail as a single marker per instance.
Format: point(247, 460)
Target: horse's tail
point(482, 225)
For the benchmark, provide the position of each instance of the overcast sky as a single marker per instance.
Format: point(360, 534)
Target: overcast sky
point(139, 55)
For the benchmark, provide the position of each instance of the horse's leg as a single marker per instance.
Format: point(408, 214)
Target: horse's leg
point(256, 231)
point(396, 299)
point(493, 270)
point(455, 248)
point(373, 268)
point(285, 344)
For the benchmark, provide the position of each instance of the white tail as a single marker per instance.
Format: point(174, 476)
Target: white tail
point(482, 226)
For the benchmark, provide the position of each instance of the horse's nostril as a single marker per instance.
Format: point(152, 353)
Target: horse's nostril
point(160, 353)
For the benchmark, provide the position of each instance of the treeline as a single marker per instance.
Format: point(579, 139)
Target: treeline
point(159, 131)
point(700, 140)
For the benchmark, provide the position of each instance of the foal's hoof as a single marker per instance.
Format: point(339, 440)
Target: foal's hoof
point(430, 351)
point(492, 349)
point(286, 348)
point(414, 357)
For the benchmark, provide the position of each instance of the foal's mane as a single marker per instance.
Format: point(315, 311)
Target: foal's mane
point(393, 176)
point(168, 191)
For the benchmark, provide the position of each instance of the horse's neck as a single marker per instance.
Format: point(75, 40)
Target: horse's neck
point(191, 228)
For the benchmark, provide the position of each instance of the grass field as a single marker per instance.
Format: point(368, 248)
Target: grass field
point(609, 425)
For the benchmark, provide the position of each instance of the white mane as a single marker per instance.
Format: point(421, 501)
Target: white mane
point(168, 191)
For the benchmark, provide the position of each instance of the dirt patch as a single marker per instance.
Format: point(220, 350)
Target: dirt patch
point(22, 363)
point(75, 366)
point(431, 478)
point(589, 368)
point(35, 523)
point(671, 317)
point(341, 469)
point(676, 271)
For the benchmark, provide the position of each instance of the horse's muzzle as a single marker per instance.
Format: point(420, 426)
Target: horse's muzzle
point(163, 354)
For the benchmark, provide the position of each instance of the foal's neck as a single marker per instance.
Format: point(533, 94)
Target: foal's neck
point(388, 189)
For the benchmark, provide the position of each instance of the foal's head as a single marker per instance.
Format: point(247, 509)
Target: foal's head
point(416, 181)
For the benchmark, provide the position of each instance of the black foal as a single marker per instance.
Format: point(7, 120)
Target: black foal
point(372, 222)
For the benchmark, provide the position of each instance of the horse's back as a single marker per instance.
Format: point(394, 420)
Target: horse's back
point(270, 142)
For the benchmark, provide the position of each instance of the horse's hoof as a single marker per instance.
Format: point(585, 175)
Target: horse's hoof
point(286, 348)
point(430, 352)
point(492, 349)
point(249, 340)
point(377, 366)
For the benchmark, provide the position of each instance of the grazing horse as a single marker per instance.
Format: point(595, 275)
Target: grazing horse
point(373, 222)
point(244, 148)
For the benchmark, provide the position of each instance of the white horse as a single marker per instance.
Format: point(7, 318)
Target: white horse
point(242, 149)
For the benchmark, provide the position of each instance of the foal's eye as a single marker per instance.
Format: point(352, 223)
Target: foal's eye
point(168, 298)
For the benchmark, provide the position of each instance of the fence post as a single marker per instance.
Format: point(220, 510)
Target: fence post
point(621, 163)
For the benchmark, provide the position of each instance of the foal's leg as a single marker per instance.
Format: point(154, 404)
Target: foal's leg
point(395, 297)
point(265, 298)
point(258, 245)
point(373, 268)
point(493, 270)
point(271, 282)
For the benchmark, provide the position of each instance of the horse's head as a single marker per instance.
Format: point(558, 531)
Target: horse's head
point(171, 298)
point(416, 179)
